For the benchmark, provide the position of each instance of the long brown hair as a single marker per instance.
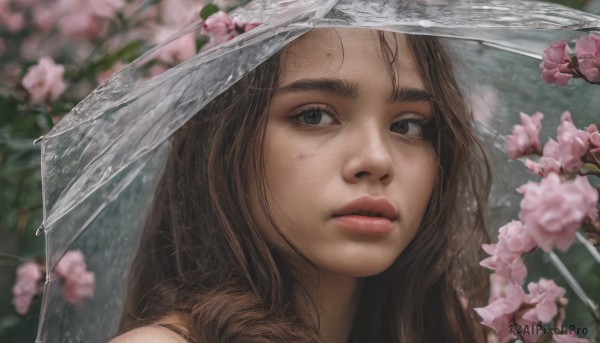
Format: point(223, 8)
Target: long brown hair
point(203, 258)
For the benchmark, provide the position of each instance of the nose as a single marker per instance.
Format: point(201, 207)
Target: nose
point(369, 158)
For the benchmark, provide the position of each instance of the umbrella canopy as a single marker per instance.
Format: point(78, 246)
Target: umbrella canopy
point(102, 162)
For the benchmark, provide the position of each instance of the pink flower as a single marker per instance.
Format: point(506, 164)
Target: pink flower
point(44, 81)
point(506, 265)
point(251, 26)
point(25, 3)
point(106, 8)
point(156, 70)
point(549, 163)
point(78, 282)
point(150, 12)
point(594, 137)
point(500, 312)
point(214, 41)
point(499, 286)
point(179, 50)
point(219, 24)
point(510, 308)
point(44, 17)
point(78, 287)
point(29, 48)
point(525, 138)
point(220, 28)
point(72, 261)
point(78, 19)
point(544, 296)
point(553, 210)
point(177, 13)
point(555, 64)
point(35, 46)
point(588, 55)
point(514, 240)
point(568, 338)
point(14, 22)
point(505, 259)
point(572, 144)
point(81, 25)
point(26, 286)
point(533, 167)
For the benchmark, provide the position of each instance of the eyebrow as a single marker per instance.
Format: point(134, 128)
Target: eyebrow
point(331, 86)
point(350, 90)
point(409, 94)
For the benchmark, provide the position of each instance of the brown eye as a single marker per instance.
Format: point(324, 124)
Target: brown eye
point(409, 127)
point(312, 117)
point(315, 117)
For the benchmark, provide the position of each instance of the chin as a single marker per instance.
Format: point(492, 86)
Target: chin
point(371, 270)
point(360, 267)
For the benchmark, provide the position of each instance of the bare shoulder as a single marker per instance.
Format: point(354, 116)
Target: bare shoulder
point(149, 334)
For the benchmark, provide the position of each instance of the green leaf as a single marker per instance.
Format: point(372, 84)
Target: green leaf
point(8, 108)
point(130, 51)
point(60, 108)
point(8, 321)
point(592, 167)
point(208, 10)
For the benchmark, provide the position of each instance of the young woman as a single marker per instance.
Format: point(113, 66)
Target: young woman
point(334, 194)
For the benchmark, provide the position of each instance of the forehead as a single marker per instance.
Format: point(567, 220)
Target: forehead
point(350, 53)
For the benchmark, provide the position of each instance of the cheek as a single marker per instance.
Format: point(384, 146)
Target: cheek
point(302, 156)
point(291, 162)
point(292, 177)
point(419, 179)
point(428, 174)
point(289, 170)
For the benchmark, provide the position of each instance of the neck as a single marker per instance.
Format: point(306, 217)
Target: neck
point(335, 300)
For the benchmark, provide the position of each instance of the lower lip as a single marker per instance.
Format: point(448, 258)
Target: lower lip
point(365, 224)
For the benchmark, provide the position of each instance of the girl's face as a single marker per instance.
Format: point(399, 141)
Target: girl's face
point(348, 163)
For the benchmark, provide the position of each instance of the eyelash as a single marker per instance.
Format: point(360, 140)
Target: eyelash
point(427, 126)
point(297, 118)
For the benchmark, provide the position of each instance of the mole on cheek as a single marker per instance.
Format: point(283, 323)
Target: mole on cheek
point(301, 155)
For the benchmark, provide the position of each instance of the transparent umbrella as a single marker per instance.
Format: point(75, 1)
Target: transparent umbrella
point(102, 162)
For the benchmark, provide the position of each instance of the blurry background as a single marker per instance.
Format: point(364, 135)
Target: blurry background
point(91, 40)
